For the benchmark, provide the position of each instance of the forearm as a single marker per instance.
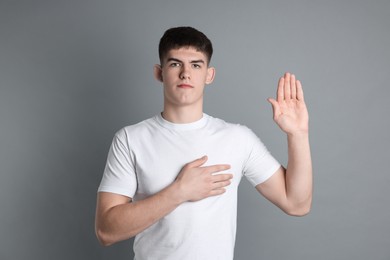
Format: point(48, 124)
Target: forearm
point(126, 220)
point(117, 219)
point(299, 172)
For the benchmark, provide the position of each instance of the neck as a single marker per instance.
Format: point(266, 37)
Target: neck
point(182, 115)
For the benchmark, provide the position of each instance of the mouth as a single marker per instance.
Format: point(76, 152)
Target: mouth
point(184, 86)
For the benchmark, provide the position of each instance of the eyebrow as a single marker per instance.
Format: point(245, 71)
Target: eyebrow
point(193, 61)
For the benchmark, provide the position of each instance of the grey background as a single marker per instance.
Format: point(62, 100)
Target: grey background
point(74, 72)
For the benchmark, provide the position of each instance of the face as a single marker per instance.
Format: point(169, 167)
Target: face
point(184, 74)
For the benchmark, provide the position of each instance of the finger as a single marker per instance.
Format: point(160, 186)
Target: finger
point(217, 168)
point(293, 87)
point(280, 91)
point(221, 184)
point(221, 177)
point(275, 107)
point(197, 163)
point(217, 192)
point(287, 86)
point(299, 91)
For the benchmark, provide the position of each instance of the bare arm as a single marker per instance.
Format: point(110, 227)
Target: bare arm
point(118, 218)
point(291, 189)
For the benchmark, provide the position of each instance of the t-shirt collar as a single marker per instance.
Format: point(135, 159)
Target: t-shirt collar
point(182, 127)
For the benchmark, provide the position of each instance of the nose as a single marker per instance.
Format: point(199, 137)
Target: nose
point(185, 73)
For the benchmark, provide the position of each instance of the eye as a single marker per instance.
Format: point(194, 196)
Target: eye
point(196, 66)
point(174, 64)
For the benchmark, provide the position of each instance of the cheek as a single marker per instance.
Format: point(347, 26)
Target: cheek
point(206, 79)
point(167, 77)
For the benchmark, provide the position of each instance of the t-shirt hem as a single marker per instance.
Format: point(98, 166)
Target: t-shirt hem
point(265, 176)
point(116, 190)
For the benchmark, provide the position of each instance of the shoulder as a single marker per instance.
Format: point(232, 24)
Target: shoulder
point(236, 134)
point(234, 128)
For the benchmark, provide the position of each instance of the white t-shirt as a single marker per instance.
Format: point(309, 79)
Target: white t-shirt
point(146, 157)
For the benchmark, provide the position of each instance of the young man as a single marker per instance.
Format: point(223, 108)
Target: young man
point(172, 180)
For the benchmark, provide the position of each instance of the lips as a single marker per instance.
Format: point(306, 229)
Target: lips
point(184, 86)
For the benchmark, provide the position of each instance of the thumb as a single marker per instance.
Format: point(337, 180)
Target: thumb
point(275, 106)
point(198, 162)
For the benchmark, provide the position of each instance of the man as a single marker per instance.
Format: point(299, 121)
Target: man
point(172, 180)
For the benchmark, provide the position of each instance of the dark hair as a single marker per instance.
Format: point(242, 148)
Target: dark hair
point(179, 37)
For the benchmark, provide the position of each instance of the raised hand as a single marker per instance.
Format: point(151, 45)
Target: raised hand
point(289, 108)
point(197, 182)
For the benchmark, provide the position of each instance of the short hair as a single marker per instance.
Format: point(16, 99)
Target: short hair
point(178, 37)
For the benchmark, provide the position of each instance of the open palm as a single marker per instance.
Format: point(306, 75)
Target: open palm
point(289, 108)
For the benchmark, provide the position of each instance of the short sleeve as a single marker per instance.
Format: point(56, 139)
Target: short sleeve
point(119, 174)
point(260, 164)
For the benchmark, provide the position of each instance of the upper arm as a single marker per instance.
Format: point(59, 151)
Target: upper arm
point(274, 189)
point(107, 201)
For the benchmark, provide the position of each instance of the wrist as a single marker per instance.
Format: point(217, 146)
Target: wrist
point(298, 139)
point(298, 134)
point(175, 193)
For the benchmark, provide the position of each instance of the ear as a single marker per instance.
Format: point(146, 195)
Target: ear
point(157, 72)
point(210, 75)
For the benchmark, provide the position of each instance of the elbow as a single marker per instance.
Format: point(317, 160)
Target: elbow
point(107, 238)
point(104, 238)
point(299, 210)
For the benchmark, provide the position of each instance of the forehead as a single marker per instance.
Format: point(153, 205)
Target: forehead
point(186, 54)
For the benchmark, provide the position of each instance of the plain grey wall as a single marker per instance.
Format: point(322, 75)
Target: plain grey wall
point(74, 72)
